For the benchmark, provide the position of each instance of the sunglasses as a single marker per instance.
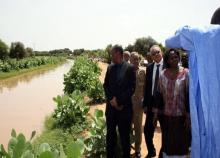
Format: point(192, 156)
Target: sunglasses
point(155, 53)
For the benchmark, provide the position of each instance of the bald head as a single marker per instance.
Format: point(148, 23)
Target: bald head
point(216, 17)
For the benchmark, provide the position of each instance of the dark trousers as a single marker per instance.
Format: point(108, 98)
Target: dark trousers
point(149, 129)
point(122, 120)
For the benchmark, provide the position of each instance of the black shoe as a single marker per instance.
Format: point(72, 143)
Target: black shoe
point(137, 154)
point(151, 154)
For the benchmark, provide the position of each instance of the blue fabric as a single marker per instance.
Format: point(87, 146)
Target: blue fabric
point(203, 47)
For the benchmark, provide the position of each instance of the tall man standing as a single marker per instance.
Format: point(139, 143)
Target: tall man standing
point(203, 45)
point(119, 86)
point(152, 76)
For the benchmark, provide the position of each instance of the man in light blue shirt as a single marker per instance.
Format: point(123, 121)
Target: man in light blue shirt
point(203, 47)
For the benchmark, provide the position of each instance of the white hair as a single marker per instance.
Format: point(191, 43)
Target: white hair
point(127, 52)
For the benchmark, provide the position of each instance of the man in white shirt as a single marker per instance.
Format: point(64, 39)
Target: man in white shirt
point(152, 75)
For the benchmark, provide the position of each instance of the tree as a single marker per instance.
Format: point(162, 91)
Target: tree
point(3, 50)
point(29, 51)
point(17, 50)
point(108, 50)
point(78, 51)
point(143, 44)
point(162, 48)
point(130, 48)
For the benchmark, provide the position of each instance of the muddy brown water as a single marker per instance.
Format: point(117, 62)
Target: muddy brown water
point(26, 100)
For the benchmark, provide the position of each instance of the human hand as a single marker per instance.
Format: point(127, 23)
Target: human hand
point(114, 102)
point(145, 110)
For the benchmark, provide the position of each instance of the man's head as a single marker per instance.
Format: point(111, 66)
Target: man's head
point(117, 54)
point(135, 59)
point(216, 17)
point(126, 56)
point(156, 53)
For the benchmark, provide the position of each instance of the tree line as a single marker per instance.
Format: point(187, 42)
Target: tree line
point(141, 45)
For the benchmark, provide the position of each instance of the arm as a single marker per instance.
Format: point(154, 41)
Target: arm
point(145, 95)
point(108, 93)
point(143, 81)
point(121, 99)
point(182, 39)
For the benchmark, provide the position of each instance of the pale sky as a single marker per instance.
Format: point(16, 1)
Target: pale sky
point(91, 24)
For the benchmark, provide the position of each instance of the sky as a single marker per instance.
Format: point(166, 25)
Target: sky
point(93, 24)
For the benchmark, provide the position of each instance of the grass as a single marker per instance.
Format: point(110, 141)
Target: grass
point(5, 75)
point(55, 136)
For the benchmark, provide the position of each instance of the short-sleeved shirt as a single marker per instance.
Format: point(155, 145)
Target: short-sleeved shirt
point(139, 90)
point(174, 92)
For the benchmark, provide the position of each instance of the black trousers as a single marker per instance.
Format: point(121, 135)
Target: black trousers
point(149, 129)
point(122, 120)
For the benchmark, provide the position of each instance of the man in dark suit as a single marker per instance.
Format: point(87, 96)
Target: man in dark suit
point(119, 86)
point(152, 76)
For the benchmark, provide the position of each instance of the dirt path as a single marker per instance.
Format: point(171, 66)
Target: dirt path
point(157, 135)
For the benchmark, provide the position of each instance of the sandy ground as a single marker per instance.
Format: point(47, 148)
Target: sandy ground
point(157, 136)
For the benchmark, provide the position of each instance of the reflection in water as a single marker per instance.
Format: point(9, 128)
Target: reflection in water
point(26, 100)
point(27, 77)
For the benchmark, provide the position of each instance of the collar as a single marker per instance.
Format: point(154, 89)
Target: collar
point(160, 63)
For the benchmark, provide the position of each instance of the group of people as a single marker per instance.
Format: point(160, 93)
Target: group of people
point(189, 122)
point(160, 91)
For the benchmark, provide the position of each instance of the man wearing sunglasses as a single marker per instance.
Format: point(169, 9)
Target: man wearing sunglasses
point(152, 76)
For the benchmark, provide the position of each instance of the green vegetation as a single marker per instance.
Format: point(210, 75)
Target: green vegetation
point(55, 136)
point(17, 59)
point(96, 140)
point(4, 53)
point(13, 64)
point(71, 110)
point(91, 137)
point(17, 50)
point(19, 147)
point(13, 67)
point(84, 76)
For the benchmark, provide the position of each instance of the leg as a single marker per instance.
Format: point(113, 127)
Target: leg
point(111, 137)
point(160, 119)
point(137, 120)
point(149, 134)
point(124, 127)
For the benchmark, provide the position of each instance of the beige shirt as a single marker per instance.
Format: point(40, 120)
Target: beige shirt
point(139, 90)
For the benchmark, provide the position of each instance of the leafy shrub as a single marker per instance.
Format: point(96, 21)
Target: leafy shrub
point(95, 143)
point(26, 63)
point(80, 75)
point(96, 91)
point(18, 147)
point(5, 67)
point(71, 110)
point(84, 76)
